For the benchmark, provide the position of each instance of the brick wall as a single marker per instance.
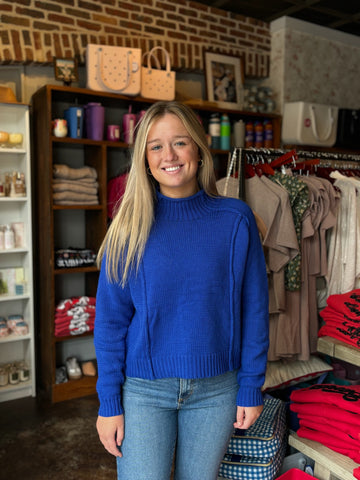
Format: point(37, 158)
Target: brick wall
point(34, 31)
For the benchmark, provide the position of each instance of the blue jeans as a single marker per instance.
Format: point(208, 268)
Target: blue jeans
point(193, 418)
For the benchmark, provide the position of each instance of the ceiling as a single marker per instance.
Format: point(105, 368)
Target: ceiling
point(342, 15)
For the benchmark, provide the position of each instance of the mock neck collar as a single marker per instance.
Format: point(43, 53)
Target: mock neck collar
point(186, 208)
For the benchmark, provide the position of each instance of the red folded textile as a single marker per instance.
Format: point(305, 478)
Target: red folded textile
point(346, 303)
point(356, 473)
point(72, 302)
point(346, 397)
point(347, 334)
point(324, 439)
point(341, 434)
point(326, 411)
point(328, 314)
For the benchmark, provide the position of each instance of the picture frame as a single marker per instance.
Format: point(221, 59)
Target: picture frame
point(224, 76)
point(66, 69)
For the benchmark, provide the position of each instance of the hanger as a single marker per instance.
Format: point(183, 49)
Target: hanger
point(285, 159)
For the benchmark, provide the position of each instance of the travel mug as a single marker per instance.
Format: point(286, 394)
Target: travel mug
point(75, 120)
point(129, 122)
point(113, 133)
point(94, 118)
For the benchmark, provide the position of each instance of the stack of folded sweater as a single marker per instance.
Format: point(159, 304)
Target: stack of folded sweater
point(74, 316)
point(75, 186)
point(329, 414)
point(342, 317)
point(258, 452)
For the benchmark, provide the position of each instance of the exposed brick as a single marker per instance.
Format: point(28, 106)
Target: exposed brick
point(45, 26)
point(46, 6)
point(115, 31)
point(5, 8)
point(132, 25)
point(29, 12)
point(61, 19)
point(164, 24)
point(178, 35)
point(145, 19)
point(104, 19)
point(129, 6)
point(153, 12)
point(29, 55)
point(166, 6)
point(47, 39)
point(65, 40)
point(9, 19)
point(197, 23)
point(15, 40)
point(115, 12)
point(187, 12)
point(92, 6)
point(26, 37)
point(74, 12)
point(4, 36)
point(88, 25)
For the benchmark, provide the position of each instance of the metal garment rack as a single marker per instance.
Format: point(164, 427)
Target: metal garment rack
point(239, 156)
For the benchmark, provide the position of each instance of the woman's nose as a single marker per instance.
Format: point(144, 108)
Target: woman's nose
point(169, 152)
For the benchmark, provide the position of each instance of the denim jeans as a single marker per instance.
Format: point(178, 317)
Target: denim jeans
point(193, 418)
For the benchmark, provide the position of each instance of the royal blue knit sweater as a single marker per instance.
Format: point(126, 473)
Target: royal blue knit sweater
point(197, 307)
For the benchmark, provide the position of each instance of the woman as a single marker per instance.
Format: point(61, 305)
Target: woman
point(181, 329)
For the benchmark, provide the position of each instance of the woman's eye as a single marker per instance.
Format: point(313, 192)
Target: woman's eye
point(155, 147)
point(180, 142)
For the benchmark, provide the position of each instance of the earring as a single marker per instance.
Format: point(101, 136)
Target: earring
point(201, 162)
point(148, 171)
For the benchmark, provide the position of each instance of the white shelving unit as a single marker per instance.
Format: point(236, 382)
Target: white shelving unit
point(14, 118)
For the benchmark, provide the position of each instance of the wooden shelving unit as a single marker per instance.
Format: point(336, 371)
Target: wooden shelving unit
point(80, 226)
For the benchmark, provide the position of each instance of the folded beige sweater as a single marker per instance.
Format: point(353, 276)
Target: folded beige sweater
point(64, 171)
point(72, 197)
point(77, 187)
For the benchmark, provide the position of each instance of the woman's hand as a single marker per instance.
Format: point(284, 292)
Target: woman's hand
point(111, 433)
point(246, 416)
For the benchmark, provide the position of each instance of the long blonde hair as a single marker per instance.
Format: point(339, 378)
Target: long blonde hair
point(127, 235)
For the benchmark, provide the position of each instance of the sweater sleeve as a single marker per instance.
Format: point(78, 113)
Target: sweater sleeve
point(254, 315)
point(114, 311)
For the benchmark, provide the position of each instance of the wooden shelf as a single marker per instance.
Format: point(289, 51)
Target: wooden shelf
point(328, 464)
point(74, 389)
point(336, 348)
point(60, 221)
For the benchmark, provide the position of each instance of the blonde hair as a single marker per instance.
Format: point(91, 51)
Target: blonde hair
point(127, 235)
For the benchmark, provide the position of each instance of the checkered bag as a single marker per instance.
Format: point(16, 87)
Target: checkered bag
point(264, 437)
point(237, 467)
point(258, 452)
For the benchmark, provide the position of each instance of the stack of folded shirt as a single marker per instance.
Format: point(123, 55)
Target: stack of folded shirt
point(329, 414)
point(342, 318)
point(75, 186)
point(74, 316)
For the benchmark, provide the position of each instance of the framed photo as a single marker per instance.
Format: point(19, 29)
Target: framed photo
point(224, 76)
point(66, 69)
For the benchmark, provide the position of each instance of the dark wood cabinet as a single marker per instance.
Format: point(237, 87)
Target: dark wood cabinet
point(80, 226)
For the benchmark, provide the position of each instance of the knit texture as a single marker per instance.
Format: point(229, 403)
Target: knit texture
point(197, 307)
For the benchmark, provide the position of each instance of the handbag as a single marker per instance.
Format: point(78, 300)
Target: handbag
point(309, 124)
point(348, 128)
point(113, 69)
point(156, 83)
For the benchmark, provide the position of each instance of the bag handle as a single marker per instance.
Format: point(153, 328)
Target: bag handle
point(105, 82)
point(231, 170)
point(313, 124)
point(146, 54)
point(167, 58)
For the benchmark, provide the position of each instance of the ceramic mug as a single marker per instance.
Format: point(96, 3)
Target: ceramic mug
point(60, 127)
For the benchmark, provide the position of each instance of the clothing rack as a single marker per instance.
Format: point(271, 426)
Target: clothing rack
point(240, 156)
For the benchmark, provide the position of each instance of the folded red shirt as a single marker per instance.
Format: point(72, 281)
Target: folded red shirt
point(346, 303)
point(346, 397)
point(330, 413)
point(324, 439)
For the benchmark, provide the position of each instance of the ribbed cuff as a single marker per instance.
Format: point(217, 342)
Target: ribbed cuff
point(249, 397)
point(110, 407)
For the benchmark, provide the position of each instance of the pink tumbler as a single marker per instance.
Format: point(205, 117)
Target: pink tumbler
point(128, 126)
